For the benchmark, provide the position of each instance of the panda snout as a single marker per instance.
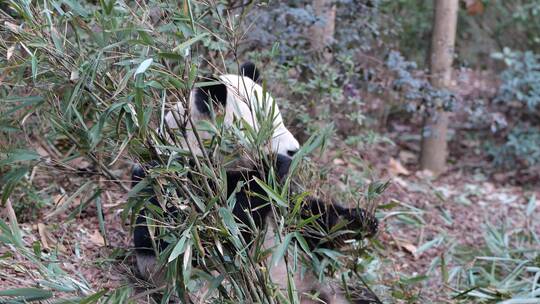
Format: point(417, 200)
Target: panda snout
point(291, 153)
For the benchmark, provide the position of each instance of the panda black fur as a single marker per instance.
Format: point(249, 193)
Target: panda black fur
point(237, 95)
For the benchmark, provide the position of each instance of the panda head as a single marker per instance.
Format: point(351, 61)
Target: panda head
point(242, 97)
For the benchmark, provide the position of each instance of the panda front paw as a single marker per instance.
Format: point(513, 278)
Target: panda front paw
point(364, 222)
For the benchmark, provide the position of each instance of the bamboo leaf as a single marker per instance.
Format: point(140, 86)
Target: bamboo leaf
point(184, 45)
point(280, 251)
point(228, 220)
point(178, 249)
point(532, 205)
point(27, 294)
point(143, 66)
point(101, 219)
point(427, 245)
point(271, 193)
point(303, 243)
point(18, 155)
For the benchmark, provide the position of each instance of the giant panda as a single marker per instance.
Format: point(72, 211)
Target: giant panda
point(237, 95)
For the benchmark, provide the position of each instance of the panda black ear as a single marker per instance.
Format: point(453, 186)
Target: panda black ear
point(216, 93)
point(249, 70)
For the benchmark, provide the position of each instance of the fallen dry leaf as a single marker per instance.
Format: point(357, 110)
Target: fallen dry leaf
point(410, 248)
point(42, 152)
point(59, 199)
point(10, 51)
point(425, 174)
point(44, 236)
point(396, 168)
point(48, 242)
point(74, 76)
point(338, 162)
point(97, 238)
point(400, 181)
point(12, 27)
point(79, 163)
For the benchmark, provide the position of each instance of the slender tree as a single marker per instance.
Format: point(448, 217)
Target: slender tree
point(320, 36)
point(322, 32)
point(434, 146)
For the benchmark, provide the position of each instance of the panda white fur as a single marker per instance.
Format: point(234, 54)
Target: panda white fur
point(238, 95)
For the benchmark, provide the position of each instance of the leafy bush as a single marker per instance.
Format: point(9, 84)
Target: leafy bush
point(521, 147)
point(415, 88)
point(325, 97)
point(412, 20)
point(521, 78)
point(519, 93)
point(513, 23)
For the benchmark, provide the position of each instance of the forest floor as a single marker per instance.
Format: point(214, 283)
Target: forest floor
point(454, 215)
point(439, 218)
point(452, 210)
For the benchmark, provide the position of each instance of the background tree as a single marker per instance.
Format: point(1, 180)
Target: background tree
point(322, 32)
point(434, 146)
point(321, 36)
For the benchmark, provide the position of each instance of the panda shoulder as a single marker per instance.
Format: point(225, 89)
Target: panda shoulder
point(237, 81)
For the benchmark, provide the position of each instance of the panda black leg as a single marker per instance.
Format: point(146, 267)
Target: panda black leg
point(144, 252)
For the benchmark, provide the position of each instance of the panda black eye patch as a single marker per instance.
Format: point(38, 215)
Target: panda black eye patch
point(216, 93)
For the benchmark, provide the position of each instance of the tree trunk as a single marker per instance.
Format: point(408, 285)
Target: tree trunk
point(321, 34)
point(434, 146)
